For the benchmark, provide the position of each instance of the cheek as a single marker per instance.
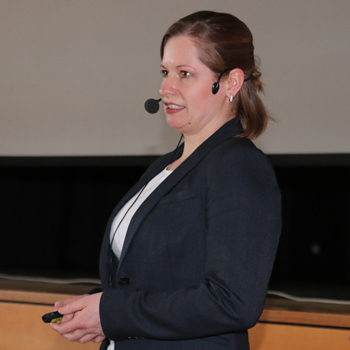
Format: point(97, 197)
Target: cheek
point(203, 100)
point(199, 95)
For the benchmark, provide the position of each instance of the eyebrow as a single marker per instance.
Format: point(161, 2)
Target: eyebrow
point(181, 66)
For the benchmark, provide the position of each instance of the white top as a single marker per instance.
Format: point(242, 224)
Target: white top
point(130, 209)
point(124, 222)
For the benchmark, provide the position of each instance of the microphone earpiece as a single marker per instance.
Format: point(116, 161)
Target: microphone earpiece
point(152, 105)
point(216, 86)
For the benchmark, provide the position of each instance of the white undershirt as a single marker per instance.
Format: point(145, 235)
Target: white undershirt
point(124, 222)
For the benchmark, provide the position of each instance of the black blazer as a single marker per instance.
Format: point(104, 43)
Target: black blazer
point(198, 254)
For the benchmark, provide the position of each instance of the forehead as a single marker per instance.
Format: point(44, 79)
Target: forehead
point(180, 50)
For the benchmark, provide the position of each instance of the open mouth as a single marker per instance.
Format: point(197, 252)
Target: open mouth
point(174, 107)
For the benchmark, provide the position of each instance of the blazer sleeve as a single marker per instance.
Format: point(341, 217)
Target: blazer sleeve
point(243, 226)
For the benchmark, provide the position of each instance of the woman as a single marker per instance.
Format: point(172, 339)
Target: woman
point(188, 253)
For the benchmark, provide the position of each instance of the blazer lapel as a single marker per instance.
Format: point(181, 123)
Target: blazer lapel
point(145, 178)
point(230, 129)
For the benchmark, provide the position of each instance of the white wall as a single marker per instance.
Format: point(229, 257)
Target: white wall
point(74, 74)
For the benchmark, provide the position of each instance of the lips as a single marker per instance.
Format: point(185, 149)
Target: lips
point(172, 107)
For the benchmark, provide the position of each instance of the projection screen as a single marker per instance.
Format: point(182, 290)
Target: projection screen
point(74, 74)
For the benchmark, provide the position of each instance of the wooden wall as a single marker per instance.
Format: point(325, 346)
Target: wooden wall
point(284, 325)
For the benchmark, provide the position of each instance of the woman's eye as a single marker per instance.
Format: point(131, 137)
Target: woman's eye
point(164, 73)
point(185, 74)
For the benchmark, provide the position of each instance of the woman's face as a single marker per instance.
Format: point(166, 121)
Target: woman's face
point(189, 103)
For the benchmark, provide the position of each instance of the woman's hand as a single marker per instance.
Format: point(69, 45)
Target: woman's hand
point(61, 303)
point(81, 322)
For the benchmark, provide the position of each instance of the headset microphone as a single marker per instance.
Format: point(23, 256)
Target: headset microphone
point(215, 88)
point(152, 105)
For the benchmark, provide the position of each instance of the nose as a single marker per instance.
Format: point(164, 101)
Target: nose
point(169, 85)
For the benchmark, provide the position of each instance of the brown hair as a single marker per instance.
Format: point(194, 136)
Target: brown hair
point(224, 42)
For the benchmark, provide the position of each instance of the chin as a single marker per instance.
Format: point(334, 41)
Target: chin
point(175, 123)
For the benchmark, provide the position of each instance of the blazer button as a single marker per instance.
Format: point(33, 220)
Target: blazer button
point(124, 281)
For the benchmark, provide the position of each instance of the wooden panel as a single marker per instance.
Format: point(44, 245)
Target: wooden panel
point(44, 287)
point(32, 297)
point(307, 318)
point(309, 313)
point(265, 336)
point(21, 327)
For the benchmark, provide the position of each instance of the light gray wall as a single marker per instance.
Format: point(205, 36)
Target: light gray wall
point(74, 74)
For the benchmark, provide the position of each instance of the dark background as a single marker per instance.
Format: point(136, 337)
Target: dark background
point(53, 213)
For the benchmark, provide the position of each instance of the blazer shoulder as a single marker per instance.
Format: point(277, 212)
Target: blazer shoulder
point(236, 149)
point(238, 158)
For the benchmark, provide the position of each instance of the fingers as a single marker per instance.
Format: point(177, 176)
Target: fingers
point(78, 331)
point(68, 324)
point(61, 303)
point(68, 317)
point(80, 336)
point(84, 336)
point(64, 302)
point(71, 306)
point(81, 321)
point(99, 339)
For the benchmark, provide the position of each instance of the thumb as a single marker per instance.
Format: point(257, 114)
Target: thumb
point(72, 307)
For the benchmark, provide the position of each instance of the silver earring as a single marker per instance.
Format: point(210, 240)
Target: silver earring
point(231, 98)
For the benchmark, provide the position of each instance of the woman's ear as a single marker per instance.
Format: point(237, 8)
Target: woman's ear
point(234, 82)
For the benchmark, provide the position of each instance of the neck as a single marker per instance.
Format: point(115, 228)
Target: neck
point(191, 143)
